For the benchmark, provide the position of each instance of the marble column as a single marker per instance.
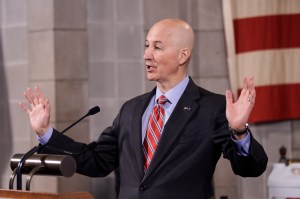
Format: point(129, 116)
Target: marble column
point(57, 35)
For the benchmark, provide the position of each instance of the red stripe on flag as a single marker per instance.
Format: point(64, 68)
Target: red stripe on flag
point(267, 32)
point(275, 103)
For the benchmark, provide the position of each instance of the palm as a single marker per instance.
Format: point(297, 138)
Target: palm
point(39, 113)
point(239, 112)
point(39, 117)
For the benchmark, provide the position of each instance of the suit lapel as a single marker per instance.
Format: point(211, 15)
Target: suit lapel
point(179, 118)
point(139, 110)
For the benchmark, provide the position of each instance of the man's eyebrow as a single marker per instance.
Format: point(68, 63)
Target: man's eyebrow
point(155, 42)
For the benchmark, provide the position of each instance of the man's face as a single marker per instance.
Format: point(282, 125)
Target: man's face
point(161, 55)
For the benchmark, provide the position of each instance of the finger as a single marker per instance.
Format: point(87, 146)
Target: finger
point(245, 91)
point(245, 83)
point(27, 97)
point(40, 95)
point(252, 92)
point(229, 97)
point(251, 85)
point(253, 96)
point(24, 107)
point(47, 106)
point(33, 98)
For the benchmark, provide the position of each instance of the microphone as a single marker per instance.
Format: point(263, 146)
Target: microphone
point(92, 111)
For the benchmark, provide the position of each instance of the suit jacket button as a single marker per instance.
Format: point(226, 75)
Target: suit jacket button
point(142, 188)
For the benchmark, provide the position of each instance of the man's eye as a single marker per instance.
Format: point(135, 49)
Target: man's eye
point(157, 47)
point(146, 45)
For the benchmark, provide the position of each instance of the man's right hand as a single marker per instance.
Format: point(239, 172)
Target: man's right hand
point(39, 113)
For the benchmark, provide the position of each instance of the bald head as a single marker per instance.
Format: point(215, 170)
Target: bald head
point(169, 46)
point(179, 32)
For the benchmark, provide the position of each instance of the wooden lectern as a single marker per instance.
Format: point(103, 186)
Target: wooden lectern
point(5, 194)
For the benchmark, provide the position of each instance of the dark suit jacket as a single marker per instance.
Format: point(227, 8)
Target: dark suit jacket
point(193, 140)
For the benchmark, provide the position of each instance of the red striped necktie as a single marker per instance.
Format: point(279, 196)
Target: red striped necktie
point(154, 130)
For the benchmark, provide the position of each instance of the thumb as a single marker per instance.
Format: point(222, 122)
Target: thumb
point(24, 107)
point(229, 97)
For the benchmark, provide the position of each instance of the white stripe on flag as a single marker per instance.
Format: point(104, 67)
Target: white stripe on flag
point(270, 67)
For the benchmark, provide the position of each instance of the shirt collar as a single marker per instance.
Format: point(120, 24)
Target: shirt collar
point(174, 93)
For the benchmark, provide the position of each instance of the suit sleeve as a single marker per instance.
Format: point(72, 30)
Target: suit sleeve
point(252, 165)
point(96, 159)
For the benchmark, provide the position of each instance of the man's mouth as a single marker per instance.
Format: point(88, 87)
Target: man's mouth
point(149, 68)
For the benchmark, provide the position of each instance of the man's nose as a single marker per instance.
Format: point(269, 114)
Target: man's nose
point(147, 53)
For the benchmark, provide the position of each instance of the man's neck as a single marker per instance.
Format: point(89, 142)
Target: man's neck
point(164, 87)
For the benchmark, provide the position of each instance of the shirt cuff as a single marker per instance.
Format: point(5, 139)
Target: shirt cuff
point(46, 137)
point(243, 145)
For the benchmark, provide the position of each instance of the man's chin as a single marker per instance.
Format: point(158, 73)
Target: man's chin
point(150, 78)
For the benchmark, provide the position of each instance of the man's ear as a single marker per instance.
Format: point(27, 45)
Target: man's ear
point(184, 55)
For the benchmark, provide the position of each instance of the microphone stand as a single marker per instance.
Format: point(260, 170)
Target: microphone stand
point(21, 163)
point(92, 111)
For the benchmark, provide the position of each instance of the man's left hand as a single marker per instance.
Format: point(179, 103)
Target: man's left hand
point(238, 112)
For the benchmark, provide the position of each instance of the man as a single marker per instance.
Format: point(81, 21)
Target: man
point(166, 143)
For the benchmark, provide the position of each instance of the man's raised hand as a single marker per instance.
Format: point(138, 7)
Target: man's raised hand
point(39, 110)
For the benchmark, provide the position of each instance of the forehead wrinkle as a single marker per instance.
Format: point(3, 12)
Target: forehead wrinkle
point(155, 41)
point(159, 33)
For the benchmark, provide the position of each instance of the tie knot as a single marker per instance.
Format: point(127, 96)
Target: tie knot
point(162, 100)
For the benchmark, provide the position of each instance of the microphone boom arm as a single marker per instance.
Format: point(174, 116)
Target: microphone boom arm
point(92, 111)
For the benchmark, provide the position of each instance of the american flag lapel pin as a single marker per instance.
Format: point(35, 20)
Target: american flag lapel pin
point(187, 108)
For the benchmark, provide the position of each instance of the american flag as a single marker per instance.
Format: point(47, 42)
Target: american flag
point(263, 40)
